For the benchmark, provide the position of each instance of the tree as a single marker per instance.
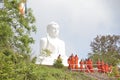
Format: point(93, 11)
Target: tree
point(43, 54)
point(103, 44)
point(16, 29)
point(106, 48)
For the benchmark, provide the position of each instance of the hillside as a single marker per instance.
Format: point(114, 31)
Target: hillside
point(16, 66)
point(52, 73)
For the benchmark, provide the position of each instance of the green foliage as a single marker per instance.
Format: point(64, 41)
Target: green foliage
point(115, 72)
point(15, 29)
point(108, 43)
point(45, 53)
point(107, 58)
point(58, 63)
point(106, 48)
point(18, 66)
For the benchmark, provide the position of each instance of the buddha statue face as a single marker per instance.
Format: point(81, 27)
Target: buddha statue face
point(53, 30)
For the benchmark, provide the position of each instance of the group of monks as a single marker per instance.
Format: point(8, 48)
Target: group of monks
point(73, 62)
point(103, 67)
point(87, 65)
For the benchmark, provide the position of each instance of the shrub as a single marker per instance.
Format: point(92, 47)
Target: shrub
point(58, 63)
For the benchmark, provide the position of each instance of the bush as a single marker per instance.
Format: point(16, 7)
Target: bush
point(58, 63)
point(18, 66)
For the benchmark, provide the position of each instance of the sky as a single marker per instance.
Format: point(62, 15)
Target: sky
point(80, 22)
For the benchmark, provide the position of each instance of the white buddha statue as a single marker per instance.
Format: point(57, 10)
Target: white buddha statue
point(52, 43)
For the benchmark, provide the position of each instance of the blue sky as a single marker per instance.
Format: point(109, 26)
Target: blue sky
point(80, 21)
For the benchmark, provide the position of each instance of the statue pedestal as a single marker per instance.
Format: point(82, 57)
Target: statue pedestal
point(50, 60)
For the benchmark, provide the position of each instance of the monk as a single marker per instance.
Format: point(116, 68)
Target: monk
point(99, 65)
point(81, 65)
point(90, 65)
point(102, 67)
point(106, 68)
point(72, 61)
point(87, 66)
point(69, 59)
point(76, 61)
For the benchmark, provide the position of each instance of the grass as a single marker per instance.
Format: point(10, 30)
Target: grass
point(51, 73)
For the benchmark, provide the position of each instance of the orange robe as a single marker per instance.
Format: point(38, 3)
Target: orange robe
point(86, 66)
point(72, 62)
point(76, 62)
point(106, 68)
point(90, 65)
point(81, 66)
point(102, 67)
point(99, 66)
point(69, 63)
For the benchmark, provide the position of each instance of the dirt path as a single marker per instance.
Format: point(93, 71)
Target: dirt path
point(100, 76)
